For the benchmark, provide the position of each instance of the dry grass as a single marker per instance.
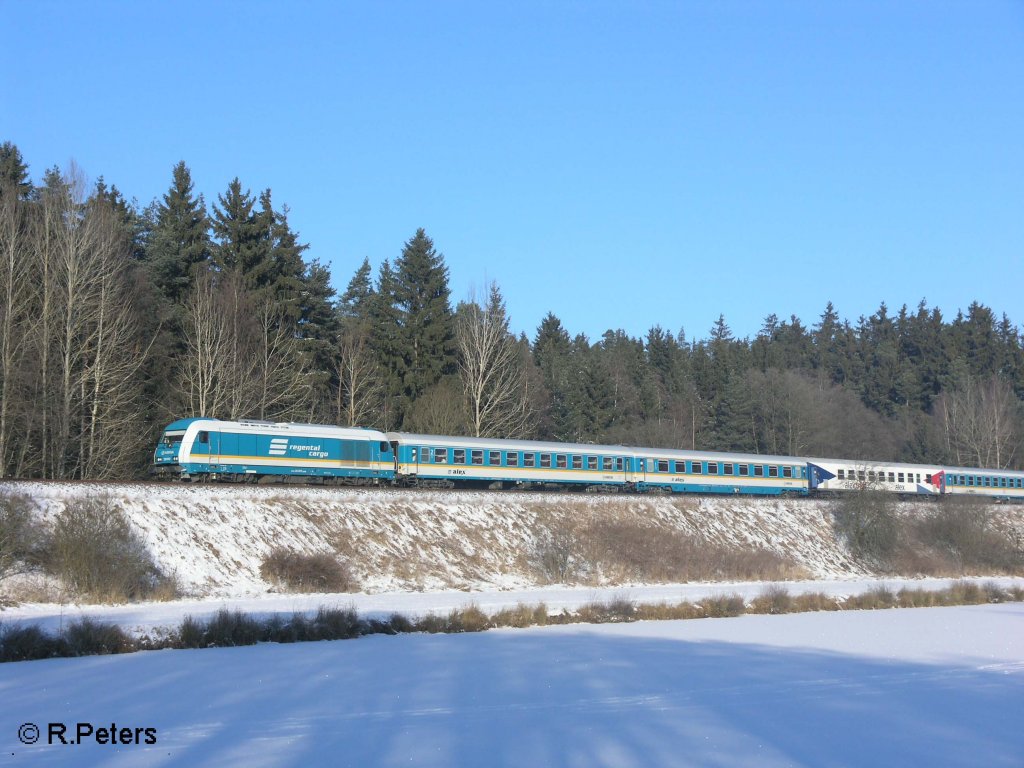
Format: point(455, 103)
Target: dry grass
point(297, 572)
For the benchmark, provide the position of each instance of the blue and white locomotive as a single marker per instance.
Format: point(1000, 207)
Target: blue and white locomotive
point(201, 449)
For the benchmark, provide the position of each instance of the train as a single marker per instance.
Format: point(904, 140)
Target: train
point(205, 449)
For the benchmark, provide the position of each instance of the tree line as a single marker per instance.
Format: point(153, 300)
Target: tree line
point(117, 318)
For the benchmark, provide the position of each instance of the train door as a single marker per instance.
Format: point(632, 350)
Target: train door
point(633, 469)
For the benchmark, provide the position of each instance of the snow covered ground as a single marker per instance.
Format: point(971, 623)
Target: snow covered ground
point(915, 687)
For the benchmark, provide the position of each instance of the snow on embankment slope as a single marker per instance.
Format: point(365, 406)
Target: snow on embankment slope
point(214, 538)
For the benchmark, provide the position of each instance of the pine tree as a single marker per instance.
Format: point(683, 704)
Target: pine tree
point(242, 235)
point(14, 172)
point(179, 244)
point(425, 316)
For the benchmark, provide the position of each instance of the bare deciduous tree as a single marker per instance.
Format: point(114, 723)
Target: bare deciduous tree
point(980, 420)
point(15, 305)
point(493, 378)
point(360, 387)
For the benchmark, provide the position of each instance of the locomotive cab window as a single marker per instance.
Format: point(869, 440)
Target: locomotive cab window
point(385, 447)
point(203, 438)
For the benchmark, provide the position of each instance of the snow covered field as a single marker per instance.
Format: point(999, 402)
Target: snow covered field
point(914, 687)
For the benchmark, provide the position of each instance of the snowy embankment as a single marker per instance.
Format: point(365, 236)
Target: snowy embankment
point(937, 687)
point(214, 538)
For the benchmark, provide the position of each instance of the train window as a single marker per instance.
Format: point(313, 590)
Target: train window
point(727, 469)
point(773, 471)
point(459, 456)
point(842, 474)
point(892, 477)
point(203, 437)
point(577, 462)
point(512, 459)
point(477, 457)
point(787, 471)
point(440, 455)
point(970, 480)
point(560, 461)
point(986, 481)
point(495, 458)
point(759, 470)
point(618, 464)
point(529, 459)
point(607, 462)
point(899, 477)
point(662, 465)
point(385, 447)
point(591, 462)
point(744, 470)
point(698, 468)
point(871, 475)
point(712, 467)
point(545, 460)
point(680, 467)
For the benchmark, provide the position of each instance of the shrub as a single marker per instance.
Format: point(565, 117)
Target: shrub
point(962, 528)
point(95, 551)
point(231, 628)
point(867, 520)
point(296, 572)
point(774, 598)
point(27, 643)
point(521, 616)
point(336, 624)
point(722, 606)
point(556, 555)
point(88, 637)
point(21, 537)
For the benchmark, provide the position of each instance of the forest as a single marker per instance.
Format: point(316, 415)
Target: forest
point(117, 318)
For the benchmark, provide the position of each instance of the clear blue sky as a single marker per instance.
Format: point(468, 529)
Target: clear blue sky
point(621, 164)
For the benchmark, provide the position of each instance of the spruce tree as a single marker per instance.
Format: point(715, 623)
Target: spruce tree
point(14, 172)
point(427, 333)
point(241, 235)
point(179, 243)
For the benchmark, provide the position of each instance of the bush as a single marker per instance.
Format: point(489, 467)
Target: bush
point(88, 637)
point(21, 537)
point(296, 572)
point(28, 643)
point(774, 598)
point(962, 529)
point(867, 520)
point(231, 628)
point(95, 551)
point(556, 555)
point(722, 606)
